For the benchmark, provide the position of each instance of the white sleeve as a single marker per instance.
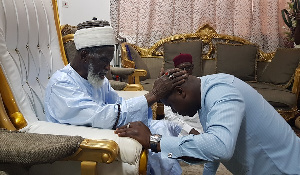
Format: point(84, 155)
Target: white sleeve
point(176, 118)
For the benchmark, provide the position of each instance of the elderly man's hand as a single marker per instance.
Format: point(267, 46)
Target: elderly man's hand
point(165, 84)
point(136, 130)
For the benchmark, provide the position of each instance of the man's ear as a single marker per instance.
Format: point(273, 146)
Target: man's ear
point(180, 91)
point(83, 54)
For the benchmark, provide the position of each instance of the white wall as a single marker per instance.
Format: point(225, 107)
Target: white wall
point(78, 11)
point(83, 10)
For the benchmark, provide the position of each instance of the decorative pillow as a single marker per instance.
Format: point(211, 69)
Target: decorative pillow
point(117, 85)
point(237, 60)
point(122, 71)
point(191, 47)
point(154, 65)
point(282, 67)
point(133, 55)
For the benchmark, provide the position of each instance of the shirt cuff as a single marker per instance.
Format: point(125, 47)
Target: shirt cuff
point(170, 148)
point(138, 109)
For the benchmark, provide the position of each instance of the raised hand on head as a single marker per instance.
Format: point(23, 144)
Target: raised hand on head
point(166, 83)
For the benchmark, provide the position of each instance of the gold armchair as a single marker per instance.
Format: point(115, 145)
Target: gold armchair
point(89, 152)
point(31, 50)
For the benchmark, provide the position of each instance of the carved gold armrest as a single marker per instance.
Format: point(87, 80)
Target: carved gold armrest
point(15, 117)
point(92, 152)
point(100, 151)
point(296, 84)
point(134, 83)
point(135, 77)
point(67, 38)
point(133, 87)
point(143, 162)
point(5, 121)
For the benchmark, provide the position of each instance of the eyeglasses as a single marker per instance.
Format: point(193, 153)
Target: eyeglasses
point(186, 67)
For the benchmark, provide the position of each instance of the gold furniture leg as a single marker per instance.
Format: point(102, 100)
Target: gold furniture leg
point(88, 167)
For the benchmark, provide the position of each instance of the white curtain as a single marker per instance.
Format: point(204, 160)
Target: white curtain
point(144, 22)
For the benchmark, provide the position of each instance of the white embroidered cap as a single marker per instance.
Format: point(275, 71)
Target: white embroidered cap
point(96, 36)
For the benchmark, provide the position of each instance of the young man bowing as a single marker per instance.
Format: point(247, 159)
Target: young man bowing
point(241, 129)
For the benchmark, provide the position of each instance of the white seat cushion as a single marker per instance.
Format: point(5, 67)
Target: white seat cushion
point(130, 94)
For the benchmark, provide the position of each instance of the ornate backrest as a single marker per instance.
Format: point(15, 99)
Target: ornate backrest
point(31, 51)
point(205, 33)
point(209, 38)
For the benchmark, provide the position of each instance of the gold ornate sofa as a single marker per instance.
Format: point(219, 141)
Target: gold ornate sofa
point(275, 75)
point(31, 50)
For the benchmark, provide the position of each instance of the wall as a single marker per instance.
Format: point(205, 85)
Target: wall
point(77, 11)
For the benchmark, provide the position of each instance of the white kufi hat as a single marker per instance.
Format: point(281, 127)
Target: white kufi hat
point(96, 36)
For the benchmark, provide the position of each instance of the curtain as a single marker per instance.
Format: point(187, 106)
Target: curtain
point(144, 22)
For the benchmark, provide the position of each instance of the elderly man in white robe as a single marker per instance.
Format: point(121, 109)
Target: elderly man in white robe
point(80, 94)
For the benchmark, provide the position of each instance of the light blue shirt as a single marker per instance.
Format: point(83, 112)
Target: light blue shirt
point(71, 99)
point(241, 130)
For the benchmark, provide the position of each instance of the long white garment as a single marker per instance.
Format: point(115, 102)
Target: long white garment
point(162, 165)
point(185, 122)
point(71, 99)
point(241, 130)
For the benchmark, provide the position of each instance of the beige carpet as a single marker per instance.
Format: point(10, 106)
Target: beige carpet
point(198, 169)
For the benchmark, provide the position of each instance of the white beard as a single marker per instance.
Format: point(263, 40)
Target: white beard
point(94, 79)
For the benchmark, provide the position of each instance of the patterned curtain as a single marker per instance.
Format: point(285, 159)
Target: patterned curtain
point(144, 22)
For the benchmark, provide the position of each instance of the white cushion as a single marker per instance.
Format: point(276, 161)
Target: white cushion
point(73, 168)
point(130, 94)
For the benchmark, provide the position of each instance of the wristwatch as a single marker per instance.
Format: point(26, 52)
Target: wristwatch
point(154, 141)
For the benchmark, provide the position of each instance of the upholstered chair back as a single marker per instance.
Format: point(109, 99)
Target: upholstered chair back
point(30, 51)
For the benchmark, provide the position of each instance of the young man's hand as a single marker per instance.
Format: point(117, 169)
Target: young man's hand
point(136, 130)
